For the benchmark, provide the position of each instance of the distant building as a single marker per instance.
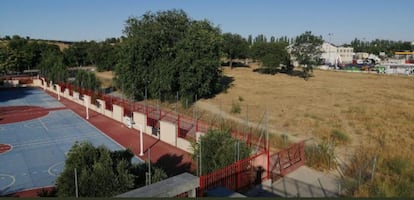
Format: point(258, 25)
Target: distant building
point(333, 55)
point(346, 53)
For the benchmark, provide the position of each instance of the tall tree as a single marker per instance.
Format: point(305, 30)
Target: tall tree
point(307, 51)
point(234, 46)
point(51, 66)
point(272, 55)
point(151, 56)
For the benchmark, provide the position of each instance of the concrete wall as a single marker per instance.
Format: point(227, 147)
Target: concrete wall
point(139, 120)
point(87, 100)
point(198, 135)
point(184, 145)
point(11, 83)
point(168, 132)
point(37, 83)
point(66, 93)
point(118, 113)
point(75, 96)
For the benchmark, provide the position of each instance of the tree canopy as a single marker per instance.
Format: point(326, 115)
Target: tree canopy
point(167, 52)
point(307, 51)
point(272, 55)
point(235, 46)
point(218, 149)
point(102, 173)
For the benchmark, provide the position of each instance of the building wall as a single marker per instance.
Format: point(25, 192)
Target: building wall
point(346, 53)
point(184, 145)
point(168, 133)
point(118, 113)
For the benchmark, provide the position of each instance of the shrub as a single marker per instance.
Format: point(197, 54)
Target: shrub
point(339, 136)
point(235, 107)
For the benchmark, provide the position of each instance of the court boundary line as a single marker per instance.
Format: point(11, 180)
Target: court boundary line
point(122, 147)
point(10, 184)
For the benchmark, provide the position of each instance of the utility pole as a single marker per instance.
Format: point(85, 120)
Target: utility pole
point(76, 184)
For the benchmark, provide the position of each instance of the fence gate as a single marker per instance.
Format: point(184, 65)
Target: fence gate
point(287, 160)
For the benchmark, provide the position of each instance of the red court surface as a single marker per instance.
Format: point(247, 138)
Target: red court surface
point(173, 160)
point(11, 114)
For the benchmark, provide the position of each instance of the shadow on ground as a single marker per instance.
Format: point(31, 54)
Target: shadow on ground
point(172, 164)
point(7, 94)
point(235, 64)
point(265, 70)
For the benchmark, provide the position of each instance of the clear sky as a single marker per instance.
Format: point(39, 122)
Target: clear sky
point(76, 20)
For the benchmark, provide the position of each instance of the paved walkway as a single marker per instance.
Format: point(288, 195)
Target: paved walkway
point(173, 160)
point(303, 182)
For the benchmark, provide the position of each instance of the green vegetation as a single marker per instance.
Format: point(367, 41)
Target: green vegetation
point(235, 107)
point(87, 80)
point(234, 46)
point(322, 155)
point(218, 149)
point(339, 136)
point(307, 51)
point(372, 175)
point(272, 55)
point(168, 56)
point(102, 173)
point(376, 46)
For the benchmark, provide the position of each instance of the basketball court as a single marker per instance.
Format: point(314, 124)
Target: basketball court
point(36, 132)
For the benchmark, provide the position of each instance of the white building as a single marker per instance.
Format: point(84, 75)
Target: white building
point(346, 53)
point(335, 55)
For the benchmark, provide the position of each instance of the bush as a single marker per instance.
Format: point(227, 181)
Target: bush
point(321, 156)
point(235, 108)
point(339, 136)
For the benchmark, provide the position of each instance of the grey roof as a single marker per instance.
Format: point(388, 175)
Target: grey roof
point(166, 188)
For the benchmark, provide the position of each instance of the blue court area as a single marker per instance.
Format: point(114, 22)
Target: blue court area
point(39, 146)
point(27, 97)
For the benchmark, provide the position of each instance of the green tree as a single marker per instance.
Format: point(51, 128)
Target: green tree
point(272, 55)
point(101, 173)
point(155, 55)
point(218, 149)
point(87, 80)
point(234, 46)
point(77, 54)
point(307, 51)
point(51, 66)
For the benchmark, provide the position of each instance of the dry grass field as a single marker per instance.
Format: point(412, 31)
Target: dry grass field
point(105, 78)
point(368, 108)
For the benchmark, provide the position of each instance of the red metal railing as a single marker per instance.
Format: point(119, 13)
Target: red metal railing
point(288, 159)
point(237, 176)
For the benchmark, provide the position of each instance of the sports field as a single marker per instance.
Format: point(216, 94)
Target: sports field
point(33, 150)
